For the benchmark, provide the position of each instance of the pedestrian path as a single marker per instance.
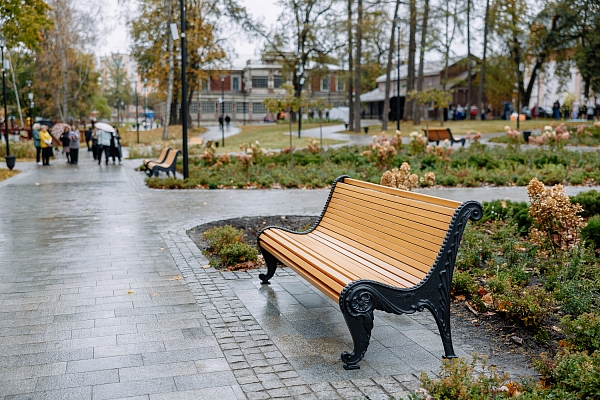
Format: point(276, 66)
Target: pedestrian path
point(213, 132)
point(103, 295)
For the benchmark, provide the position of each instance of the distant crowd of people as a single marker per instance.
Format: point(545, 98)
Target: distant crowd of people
point(98, 142)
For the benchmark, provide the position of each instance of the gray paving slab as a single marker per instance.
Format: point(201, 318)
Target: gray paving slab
point(103, 295)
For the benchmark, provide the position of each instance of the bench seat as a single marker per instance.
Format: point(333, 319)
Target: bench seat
point(438, 135)
point(392, 248)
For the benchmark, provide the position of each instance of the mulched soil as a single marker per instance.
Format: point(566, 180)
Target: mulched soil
point(509, 346)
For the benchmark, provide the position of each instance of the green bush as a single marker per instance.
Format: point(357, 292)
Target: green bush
point(583, 332)
point(220, 237)
point(516, 212)
point(236, 253)
point(578, 374)
point(463, 283)
point(590, 201)
point(531, 305)
point(19, 149)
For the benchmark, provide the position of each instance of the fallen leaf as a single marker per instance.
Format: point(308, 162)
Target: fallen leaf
point(460, 297)
point(161, 248)
point(488, 300)
point(153, 294)
point(205, 203)
point(176, 278)
point(555, 328)
point(130, 292)
point(481, 291)
point(37, 184)
point(206, 266)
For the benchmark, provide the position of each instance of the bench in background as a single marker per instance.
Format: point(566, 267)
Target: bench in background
point(440, 134)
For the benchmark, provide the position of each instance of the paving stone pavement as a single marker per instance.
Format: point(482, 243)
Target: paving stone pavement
point(103, 295)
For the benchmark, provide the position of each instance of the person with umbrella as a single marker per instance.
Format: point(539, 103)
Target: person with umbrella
point(66, 142)
point(104, 132)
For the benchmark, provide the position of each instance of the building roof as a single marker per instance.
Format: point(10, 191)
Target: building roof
point(430, 68)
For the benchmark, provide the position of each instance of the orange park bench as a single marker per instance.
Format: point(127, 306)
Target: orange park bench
point(440, 134)
point(161, 158)
point(377, 248)
point(167, 165)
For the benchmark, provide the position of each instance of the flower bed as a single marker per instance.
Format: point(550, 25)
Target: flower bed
point(477, 165)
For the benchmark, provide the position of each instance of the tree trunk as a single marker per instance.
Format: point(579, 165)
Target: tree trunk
point(422, 59)
point(412, 48)
point(388, 72)
point(483, 60)
point(469, 67)
point(171, 72)
point(350, 69)
point(357, 69)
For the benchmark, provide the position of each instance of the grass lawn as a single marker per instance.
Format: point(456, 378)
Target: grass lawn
point(6, 173)
point(461, 127)
point(270, 137)
point(155, 135)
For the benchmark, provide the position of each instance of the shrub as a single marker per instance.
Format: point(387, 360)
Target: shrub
point(591, 233)
point(590, 201)
point(220, 237)
point(464, 380)
point(531, 305)
point(578, 374)
point(463, 283)
point(236, 253)
point(583, 332)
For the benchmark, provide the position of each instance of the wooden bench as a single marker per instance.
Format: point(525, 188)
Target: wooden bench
point(168, 165)
point(161, 158)
point(440, 134)
point(376, 248)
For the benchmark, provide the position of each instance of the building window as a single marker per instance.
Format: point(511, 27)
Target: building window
point(260, 82)
point(235, 83)
point(259, 108)
point(341, 85)
point(207, 107)
point(227, 107)
point(241, 107)
point(325, 84)
point(194, 107)
point(277, 81)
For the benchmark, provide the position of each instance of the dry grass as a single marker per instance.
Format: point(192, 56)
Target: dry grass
point(461, 127)
point(155, 135)
point(6, 173)
point(272, 136)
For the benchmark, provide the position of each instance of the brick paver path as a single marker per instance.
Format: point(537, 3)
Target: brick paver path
point(103, 296)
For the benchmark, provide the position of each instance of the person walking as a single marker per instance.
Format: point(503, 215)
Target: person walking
point(590, 109)
point(45, 144)
point(227, 122)
point(575, 109)
point(104, 139)
point(556, 110)
point(221, 121)
point(74, 145)
point(35, 133)
point(115, 146)
point(66, 143)
point(88, 136)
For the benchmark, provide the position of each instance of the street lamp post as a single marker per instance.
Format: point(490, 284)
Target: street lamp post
point(10, 160)
point(300, 74)
point(222, 110)
point(519, 73)
point(30, 97)
point(244, 80)
point(397, 21)
point(137, 123)
point(184, 105)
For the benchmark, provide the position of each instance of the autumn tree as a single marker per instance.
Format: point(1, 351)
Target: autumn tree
point(22, 22)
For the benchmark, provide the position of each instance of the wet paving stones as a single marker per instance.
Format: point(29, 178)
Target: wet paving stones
point(103, 295)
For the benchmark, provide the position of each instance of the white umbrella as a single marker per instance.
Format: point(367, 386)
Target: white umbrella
point(104, 127)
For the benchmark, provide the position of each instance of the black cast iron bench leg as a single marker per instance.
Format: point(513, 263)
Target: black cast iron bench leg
point(271, 262)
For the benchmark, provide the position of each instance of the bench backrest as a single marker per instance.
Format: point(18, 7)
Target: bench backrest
point(163, 155)
point(170, 158)
point(404, 229)
point(438, 134)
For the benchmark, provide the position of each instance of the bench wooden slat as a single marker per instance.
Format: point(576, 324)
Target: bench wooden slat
point(405, 193)
point(404, 270)
point(414, 206)
point(331, 278)
point(342, 259)
point(402, 278)
point(389, 201)
point(413, 260)
point(331, 293)
point(337, 272)
point(379, 213)
point(388, 226)
point(375, 233)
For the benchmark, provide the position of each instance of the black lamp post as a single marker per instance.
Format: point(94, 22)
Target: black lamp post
point(137, 123)
point(222, 110)
point(244, 80)
point(397, 21)
point(184, 105)
point(30, 97)
point(10, 160)
point(300, 74)
point(519, 72)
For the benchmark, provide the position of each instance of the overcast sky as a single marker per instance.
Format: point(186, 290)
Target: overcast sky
point(117, 38)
